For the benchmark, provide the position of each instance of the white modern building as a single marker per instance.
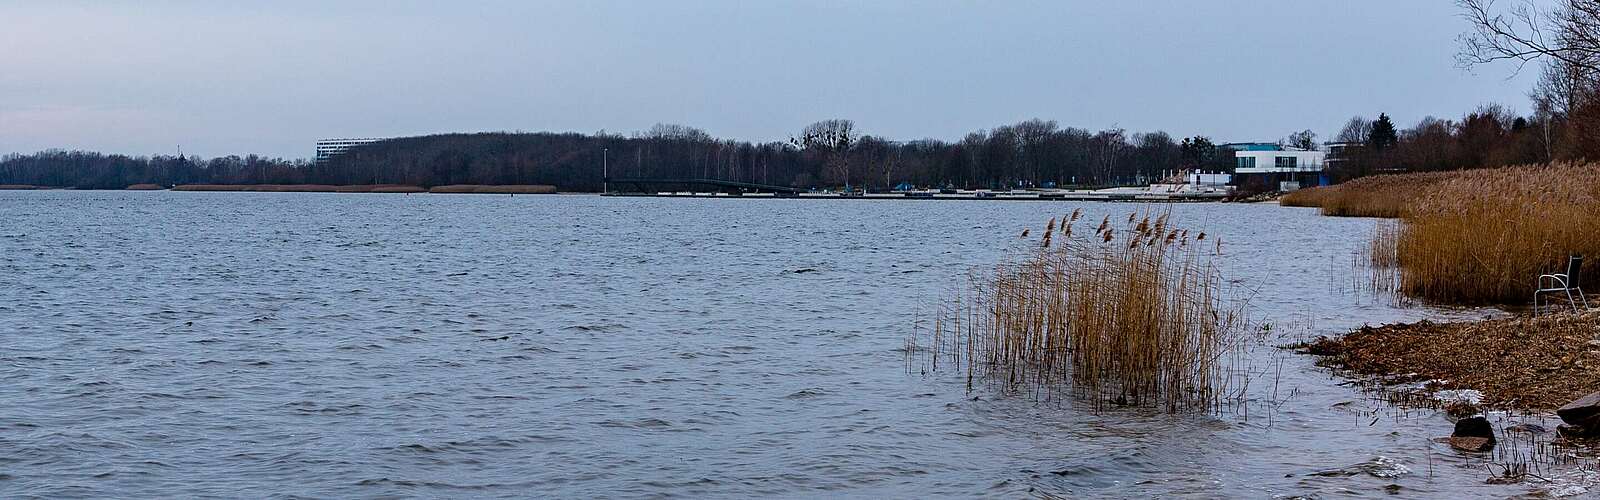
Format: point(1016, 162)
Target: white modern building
point(1288, 168)
point(1280, 160)
point(329, 148)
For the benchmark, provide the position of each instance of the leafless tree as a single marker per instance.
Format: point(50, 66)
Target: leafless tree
point(673, 131)
point(1524, 32)
point(1564, 87)
point(1033, 137)
point(1304, 139)
point(1109, 146)
point(1355, 131)
point(832, 140)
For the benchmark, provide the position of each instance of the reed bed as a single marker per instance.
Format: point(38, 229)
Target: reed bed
point(1308, 197)
point(382, 188)
point(266, 188)
point(1125, 313)
point(303, 188)
point(496, 189)
point(1476, 237)
point(1482, 236)
point(1373, 196)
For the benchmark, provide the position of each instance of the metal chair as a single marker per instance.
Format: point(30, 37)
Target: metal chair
point(1565, 283)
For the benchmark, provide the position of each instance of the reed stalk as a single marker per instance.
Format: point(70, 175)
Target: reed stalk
point(1124, 316)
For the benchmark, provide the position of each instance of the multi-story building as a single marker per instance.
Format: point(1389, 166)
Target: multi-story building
point(1288, 167)
point(329, 148)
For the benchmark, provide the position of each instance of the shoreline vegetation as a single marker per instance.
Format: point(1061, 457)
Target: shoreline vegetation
point(1476, 238)
point(1129, 314)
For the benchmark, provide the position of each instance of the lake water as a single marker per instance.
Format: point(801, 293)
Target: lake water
point(162, 344)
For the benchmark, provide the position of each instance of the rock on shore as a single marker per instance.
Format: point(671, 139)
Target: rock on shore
point(1582, 416)
point(1473, 434)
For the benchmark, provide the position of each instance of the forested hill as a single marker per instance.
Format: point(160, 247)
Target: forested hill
point(833, 153)
point(825, 154)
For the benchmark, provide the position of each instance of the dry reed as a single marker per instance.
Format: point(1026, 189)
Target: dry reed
point(1482, 236)
point(1373, 196)
point(497, 189)
point(1119, 316)
point(266, 188)
point(303, 188)
point(1476, 236)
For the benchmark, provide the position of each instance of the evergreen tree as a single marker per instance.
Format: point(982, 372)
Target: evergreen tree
point(1196, 151)
point(1383, 133)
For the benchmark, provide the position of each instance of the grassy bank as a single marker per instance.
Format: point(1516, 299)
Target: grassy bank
point(1518, 363)
point(1477, 236)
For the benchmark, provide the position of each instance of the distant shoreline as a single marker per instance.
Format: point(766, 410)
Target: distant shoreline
point(1080, 196)
point(320, 188)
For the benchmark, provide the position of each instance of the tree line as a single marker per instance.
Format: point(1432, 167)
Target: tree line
point(1560, 39)
point(826, 154)
point(1490, 136)
point(92, 170)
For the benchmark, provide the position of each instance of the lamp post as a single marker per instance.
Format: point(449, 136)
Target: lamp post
point(605, 171)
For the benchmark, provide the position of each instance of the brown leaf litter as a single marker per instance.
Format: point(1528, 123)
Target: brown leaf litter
point(1521, 362)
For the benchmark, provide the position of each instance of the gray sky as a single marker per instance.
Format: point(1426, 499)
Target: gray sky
point(272, 77)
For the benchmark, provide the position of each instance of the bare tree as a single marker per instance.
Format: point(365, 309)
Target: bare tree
point(1305, 139)
point(1108, 147)
point(1033, 136)
point(1355, 131)
point(1524, 32)
point(673, 131)
point(832, 140)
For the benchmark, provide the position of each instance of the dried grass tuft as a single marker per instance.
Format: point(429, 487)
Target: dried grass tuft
point(1132, 317)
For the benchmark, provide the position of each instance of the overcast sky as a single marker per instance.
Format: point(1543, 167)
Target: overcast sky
point(272, 77)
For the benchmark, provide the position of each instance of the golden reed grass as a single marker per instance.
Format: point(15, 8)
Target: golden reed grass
point(494, 189)
point(265, 188)
point(303, 188)
point(1477, 236)
point(1373, 196)
point(1119, 314)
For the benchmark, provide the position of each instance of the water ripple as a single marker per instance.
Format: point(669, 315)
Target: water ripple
point(315, 345)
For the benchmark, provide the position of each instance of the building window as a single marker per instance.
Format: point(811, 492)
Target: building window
point(1286, 161)
point(1246, 161)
